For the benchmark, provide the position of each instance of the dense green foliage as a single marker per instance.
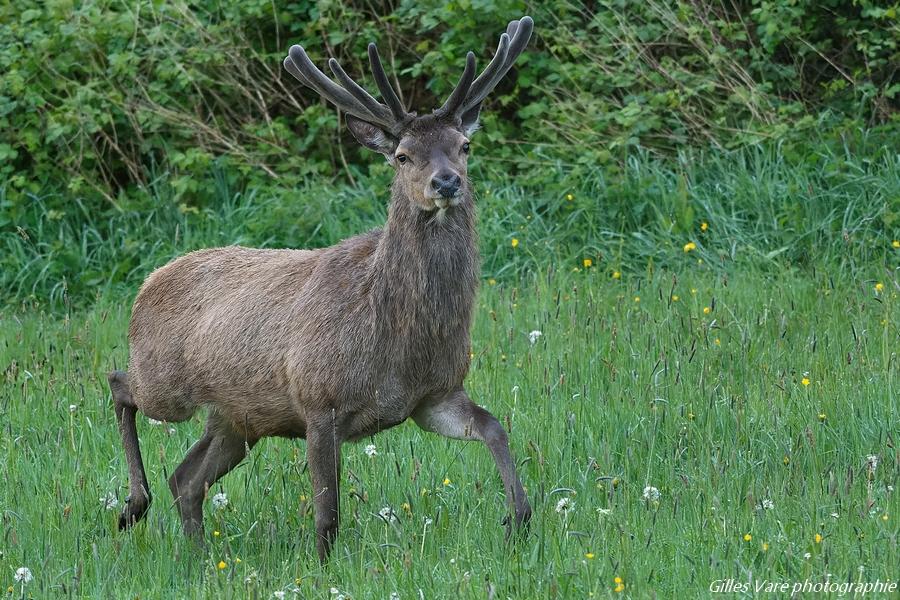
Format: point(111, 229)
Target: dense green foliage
point(762, 210)
point(102, 99)
point(697, 389)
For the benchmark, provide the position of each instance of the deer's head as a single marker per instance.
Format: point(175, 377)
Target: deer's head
point(430, 152)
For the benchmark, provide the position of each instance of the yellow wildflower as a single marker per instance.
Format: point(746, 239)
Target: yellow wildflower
point(616, 275)
point(588, 263)
point(216, 534)
point(884, 517)
point(492, 281)
point(765, 547)
point(704, 226)
point(879, 287)
point(637, 298)
point(690, 246)
point(747, 537)
point(221, 565)
point(805, 381)
point(717, 342)
point(896, 243)
point(570, 197)
point(786, 460)
point(447, 481)
point(589, 555)
point(514, 242)
point(822, 416)
point(674, 298)
point(238, 561)
point(819, 538)
point(706, 310)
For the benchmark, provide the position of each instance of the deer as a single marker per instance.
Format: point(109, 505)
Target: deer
point(334, 344)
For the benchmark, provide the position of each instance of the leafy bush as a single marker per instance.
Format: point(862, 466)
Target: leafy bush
point(101, 99)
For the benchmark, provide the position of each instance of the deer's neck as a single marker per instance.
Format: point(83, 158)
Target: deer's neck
point(426, 271)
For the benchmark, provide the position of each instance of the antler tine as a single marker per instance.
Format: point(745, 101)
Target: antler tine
point(312, 77)
point(462, 88)
point(490, 76)
point(372, 105)
point(384, 86)
point(512, 43)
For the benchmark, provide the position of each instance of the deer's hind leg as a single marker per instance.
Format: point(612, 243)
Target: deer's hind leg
point(219, 450)
point(139, 498)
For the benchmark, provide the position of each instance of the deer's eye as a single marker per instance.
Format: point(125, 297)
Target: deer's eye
point(465, 148)
point(402, 158)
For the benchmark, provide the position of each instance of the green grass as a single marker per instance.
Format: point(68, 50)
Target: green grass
point(616, 395)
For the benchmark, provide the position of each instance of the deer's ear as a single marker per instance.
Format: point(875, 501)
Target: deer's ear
point(372, 137)
point(469, 119)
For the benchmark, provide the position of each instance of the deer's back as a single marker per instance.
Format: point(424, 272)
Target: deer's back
point(227, 327)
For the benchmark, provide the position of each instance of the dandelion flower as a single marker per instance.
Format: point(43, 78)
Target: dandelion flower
point(879, 287)
point(23, 575)
point(704, 226)
point(616, 275)
point(371, 450)
point(222, 565)
point(220, 500)
point(818, 538)
point(571, 197)
point(515, 242)
point(109, 501)
point(637, 298)
point(706, 310)
point(589, 555)
point(805, 381)
point(565, 505)
point(872, 462)
point(822, 416)
point(217, 533)
point(674, 298)
point(387, 513)
point(896, 243)
point(690, 246)
point(651, 494)
point(533, 336)
point(588, 263)
point(447, 481)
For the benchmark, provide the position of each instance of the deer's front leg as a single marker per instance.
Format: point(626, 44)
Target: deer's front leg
point(323, 449)
point(456, 416)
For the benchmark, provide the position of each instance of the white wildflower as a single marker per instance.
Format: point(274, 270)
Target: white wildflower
point(651, 494)
point(890, 488)
point(171, 431)
point(872, 462)
point(338, 594)
point(394, 596)
point(533, 336)
point(220, 500)
point(73, 408)
point(604, 511)
point(387, 513)
point(767, 504)
point(371, 450)
point(23, 575)
point(565, 505)
point(428, 521)
point(807, 556)
point(109, 501)
point(834, 515)
point(279, 594)
point(154, 422)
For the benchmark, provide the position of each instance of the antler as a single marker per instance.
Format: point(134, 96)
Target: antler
point(349, 96)
point(469, 94)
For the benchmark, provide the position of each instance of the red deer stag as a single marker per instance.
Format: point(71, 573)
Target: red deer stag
point(332, 344)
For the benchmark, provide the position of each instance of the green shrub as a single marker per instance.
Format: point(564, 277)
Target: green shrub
point(100, 98)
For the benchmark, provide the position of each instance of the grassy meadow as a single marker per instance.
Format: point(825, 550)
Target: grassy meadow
point(712, 395)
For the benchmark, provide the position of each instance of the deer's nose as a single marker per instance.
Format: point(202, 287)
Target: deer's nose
point(446, 184)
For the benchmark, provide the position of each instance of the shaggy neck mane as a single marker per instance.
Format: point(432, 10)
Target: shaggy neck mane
point(426, 269)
